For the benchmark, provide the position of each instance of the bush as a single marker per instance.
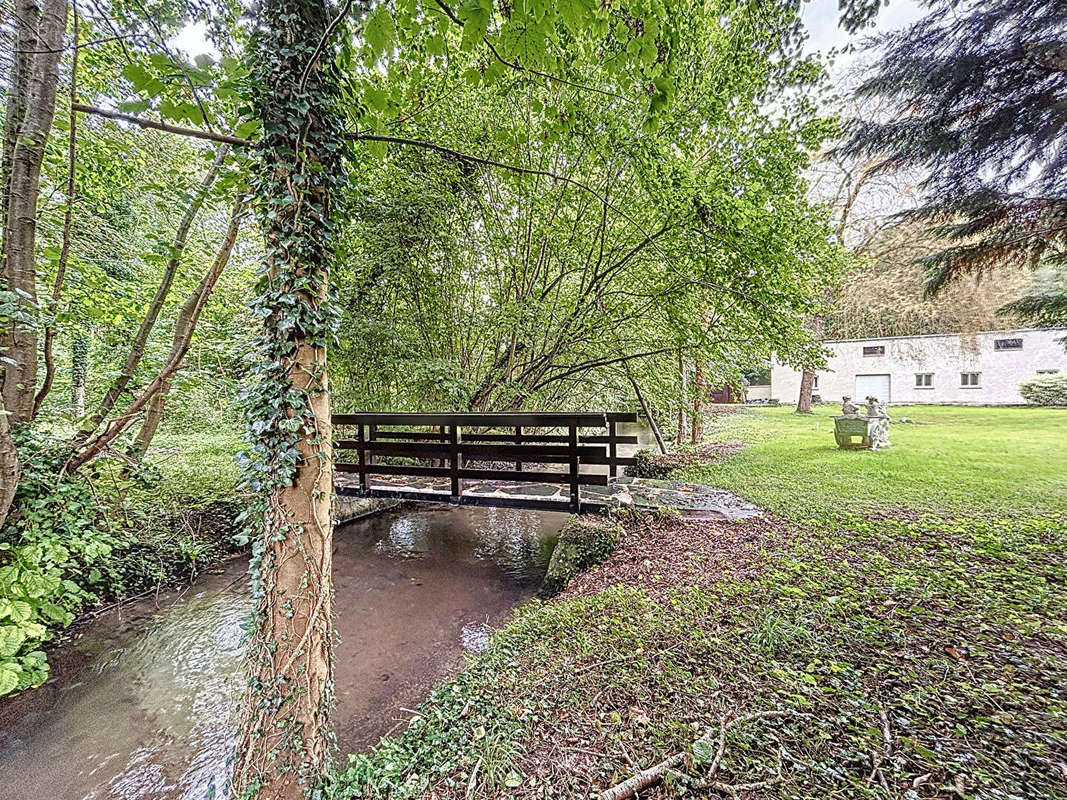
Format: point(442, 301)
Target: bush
point(1045, 390)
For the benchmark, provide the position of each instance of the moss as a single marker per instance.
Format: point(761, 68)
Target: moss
point(583, 542)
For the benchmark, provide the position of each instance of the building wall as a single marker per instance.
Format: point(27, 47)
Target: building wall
point(762, 392)
point(943, 355)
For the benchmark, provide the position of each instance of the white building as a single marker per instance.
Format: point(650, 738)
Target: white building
point(951, 368)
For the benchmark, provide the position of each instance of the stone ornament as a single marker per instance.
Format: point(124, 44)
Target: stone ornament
point(872, 428)
point(848, 408)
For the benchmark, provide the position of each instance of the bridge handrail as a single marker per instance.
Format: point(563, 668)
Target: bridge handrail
point(453, 440)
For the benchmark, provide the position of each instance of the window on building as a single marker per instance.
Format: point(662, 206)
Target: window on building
point(924, 380)
point(1007, 344)
point(1048, 372)
point(874, 350)
point(970, 379)
point(815, 385)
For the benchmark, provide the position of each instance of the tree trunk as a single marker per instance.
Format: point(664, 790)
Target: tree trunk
point(68, 218)
point(648, 415)
point(286, 741)
point(683, 418)
point(807, 379)
point(807, 382)
point(9, 465)
point(698, 404)
point(140, 340)
point(184, 326)
point(35, 77)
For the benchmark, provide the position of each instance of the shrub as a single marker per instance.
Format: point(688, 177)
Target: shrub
point(1045, 390)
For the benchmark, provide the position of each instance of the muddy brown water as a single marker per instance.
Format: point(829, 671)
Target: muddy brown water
point(141, 703)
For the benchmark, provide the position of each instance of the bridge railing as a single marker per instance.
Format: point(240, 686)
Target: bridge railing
point(439, 446)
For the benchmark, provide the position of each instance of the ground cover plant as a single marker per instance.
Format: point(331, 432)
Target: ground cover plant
point(910, 644)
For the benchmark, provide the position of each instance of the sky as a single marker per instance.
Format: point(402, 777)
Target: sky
point(820, 18)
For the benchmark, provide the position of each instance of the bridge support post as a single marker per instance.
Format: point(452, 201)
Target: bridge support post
point(453, 460)
point(613, 465)
point(572, 444)
point(361, 440)
point(518, 440)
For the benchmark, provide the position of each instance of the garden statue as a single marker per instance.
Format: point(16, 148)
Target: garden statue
point(872, 428)
point(876, 410)
point(848, 408)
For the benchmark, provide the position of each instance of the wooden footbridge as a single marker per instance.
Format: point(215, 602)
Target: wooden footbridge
point(523, 460)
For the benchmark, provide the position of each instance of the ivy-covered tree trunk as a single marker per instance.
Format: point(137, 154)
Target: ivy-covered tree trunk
point(286, 740)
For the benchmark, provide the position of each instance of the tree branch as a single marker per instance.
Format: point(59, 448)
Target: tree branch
point(151, 124)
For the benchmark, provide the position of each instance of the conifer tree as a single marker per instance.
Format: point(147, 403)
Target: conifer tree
point(977, 92)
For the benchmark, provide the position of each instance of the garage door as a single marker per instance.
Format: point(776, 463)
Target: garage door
point(872, 386)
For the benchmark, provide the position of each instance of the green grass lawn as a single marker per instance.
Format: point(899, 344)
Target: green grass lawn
point(948, 460)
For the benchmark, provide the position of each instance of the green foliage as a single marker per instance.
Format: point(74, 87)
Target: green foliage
point(63, 548)
point(49, 552)
point(537, 291)
point(649, 465)
point(1045, 390)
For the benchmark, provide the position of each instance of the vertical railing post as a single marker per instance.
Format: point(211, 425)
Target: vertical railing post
point(572, 446)
point(518, 440)
point(453, 461)
point(613, 468)
point(372, 434)
point(361, 445)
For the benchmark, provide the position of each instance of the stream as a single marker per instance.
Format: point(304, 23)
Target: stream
point(141, 705)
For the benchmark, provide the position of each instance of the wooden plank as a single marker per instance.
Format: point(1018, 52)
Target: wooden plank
point(395, 469)
point(613, 453)
point(545, 419)
point(605, 439)
point(510, 452)
point(453, 460)
point(621, 416)
point(576, 499)
point(410, 449)
point(585, 479)
point(360, 442)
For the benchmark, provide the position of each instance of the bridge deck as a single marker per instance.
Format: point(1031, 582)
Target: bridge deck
point(693, 500)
